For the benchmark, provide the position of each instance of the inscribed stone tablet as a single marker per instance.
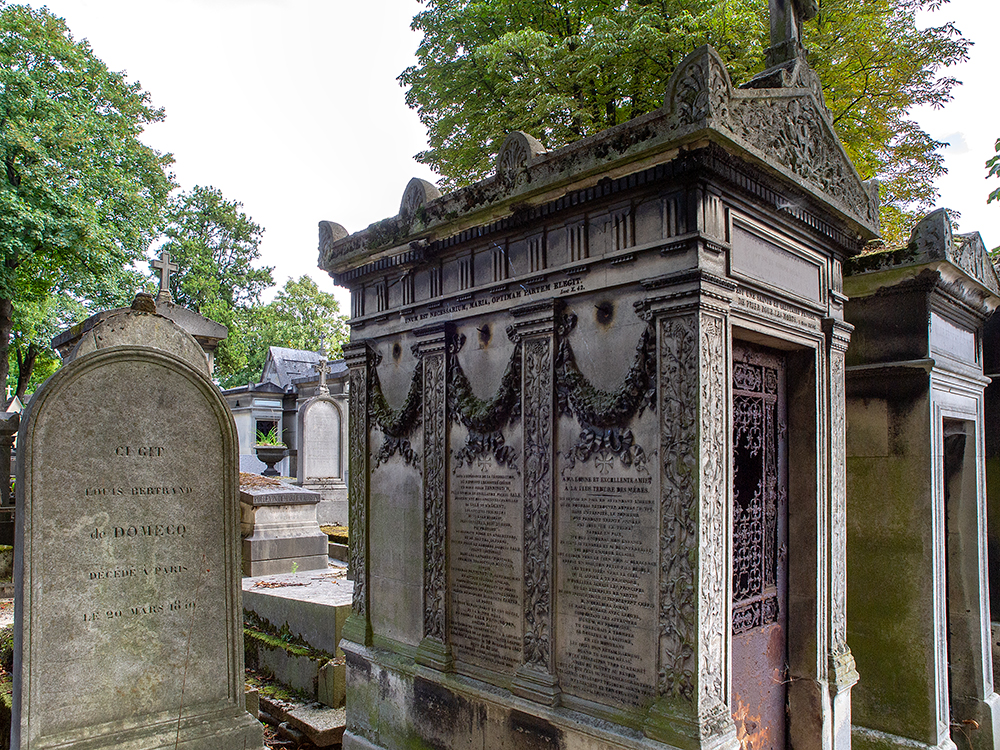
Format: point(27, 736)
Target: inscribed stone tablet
point(486, 564)
point(607, 573)
point(320, 439)
point(129, 629)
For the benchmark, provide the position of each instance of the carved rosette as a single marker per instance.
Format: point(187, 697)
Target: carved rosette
point(692, 705)
point(358, 360)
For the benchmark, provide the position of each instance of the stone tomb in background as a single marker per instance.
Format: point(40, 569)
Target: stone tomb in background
point(129, 624)
point(916, 499)
point(552, 373)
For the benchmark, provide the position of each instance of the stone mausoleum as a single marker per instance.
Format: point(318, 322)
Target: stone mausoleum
point(309, 411)
point(919, 610)
point(597, 430)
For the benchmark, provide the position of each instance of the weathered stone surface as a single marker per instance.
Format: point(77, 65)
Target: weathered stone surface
point(918, 616)
point(280, 531)
point(128, 611)
point(543, 435)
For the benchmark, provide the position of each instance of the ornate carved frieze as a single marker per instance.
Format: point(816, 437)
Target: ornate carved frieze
point(679, 391)
point(538, 504)
point(715, 456)
point(604, 416)
point(358, 358)
point(843, 673)
point(434, 650)
point(485, 419)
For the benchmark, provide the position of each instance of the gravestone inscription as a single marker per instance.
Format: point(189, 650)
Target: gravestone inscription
point(128, 631)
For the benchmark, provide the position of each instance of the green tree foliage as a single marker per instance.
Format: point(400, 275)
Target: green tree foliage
point(303, 313)
point(299, 314)
point(81, 196)
point(215, 245)
point(993, 165)
point(36, 320)
point(565, 69)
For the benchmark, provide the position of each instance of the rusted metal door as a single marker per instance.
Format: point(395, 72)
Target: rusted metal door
point(760, 559)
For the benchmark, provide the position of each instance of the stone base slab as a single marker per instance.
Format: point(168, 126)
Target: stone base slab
point(256, 568)
point(863, 738)
point(229, 729)
point(394, 704)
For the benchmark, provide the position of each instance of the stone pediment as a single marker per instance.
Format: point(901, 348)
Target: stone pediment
point(932, 241)
point(784, 129)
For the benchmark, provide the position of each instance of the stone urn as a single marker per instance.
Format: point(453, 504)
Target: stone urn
point(270, 455)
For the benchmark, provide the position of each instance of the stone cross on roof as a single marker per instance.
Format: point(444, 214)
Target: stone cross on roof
point(323, 368)
point(787, 17)
point(165, 267)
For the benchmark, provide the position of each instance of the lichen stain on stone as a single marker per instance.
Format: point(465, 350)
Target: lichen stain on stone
point(438, 707)
point(534, 733)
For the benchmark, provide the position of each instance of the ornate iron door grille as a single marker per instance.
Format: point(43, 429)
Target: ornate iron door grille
point(760, 578)
point(759, 491)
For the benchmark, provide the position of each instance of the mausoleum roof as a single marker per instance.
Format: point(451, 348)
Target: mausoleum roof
point(778, 124)
point(285, 367)
point(960, 259)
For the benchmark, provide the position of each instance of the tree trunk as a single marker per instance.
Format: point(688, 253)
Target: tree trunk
point(6, 323)
point(25, 366)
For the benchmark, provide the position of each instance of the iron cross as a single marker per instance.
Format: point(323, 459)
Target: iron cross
point(165, 267)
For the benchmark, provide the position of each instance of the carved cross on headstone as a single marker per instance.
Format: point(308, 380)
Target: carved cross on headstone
point(323, 368)
point(165, 267)
point(787, 17)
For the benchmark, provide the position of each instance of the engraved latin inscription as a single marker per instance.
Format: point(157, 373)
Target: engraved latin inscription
point(486, 569)
point(607, 579)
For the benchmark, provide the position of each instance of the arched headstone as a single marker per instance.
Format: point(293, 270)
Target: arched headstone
point(128, 630)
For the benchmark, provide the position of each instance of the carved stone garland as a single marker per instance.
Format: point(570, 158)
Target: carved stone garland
point(397, 426)
point(604, 417)
point(484, 419)
point(537, 504)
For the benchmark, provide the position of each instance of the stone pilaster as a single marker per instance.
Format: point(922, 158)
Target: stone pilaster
point(358, 358)
point(535, 330)
point(432, 348)
point(690, 311)
point(841, 672)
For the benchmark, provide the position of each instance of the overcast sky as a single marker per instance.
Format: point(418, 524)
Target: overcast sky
point(292, 107)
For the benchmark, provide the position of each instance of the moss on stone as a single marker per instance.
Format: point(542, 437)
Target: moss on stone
point(258, 631)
